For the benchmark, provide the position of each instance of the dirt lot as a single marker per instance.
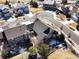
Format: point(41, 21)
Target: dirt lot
point(61, 54)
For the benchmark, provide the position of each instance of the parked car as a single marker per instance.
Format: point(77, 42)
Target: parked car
point(77, 15)
point(21, 10)
point(77, 4)
point(6, 14)
point(49, 7)
point(25, 9)
point(18, 13)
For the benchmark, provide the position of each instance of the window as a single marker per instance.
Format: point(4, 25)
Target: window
point(71, 42)
point(47, 31)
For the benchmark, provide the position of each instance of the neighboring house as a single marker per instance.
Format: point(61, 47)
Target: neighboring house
point(48, 5)
point(14, 1)
point(16, 36)
point(58, 1)
point(71, 1)
point(49, 2)
point(52, 1)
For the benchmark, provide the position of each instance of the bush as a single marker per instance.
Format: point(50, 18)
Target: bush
point(4, 54)
point(33, 50)
point(64, 2)
point(33, 53)
point(44, 50)
point(34, 4)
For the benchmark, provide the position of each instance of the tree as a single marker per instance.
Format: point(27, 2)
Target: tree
point(34, 3)
point(43, 50)
point(7, 3)
point(64, 2)
point(1, 55)
point(61, 38)
point(41, 0)
point(4, 54)
point(33, 53)
point(77, 27)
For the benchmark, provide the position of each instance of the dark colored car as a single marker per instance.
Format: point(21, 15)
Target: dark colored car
point(6, 14)
point(65, 9)
point(25, 9)
point(77, 15)
point(19, 12)
point(77, 4)
point(49, 7)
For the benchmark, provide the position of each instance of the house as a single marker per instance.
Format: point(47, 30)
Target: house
point(48, 19)
point(48, 5)
point(14, 1)
point(71, 1)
